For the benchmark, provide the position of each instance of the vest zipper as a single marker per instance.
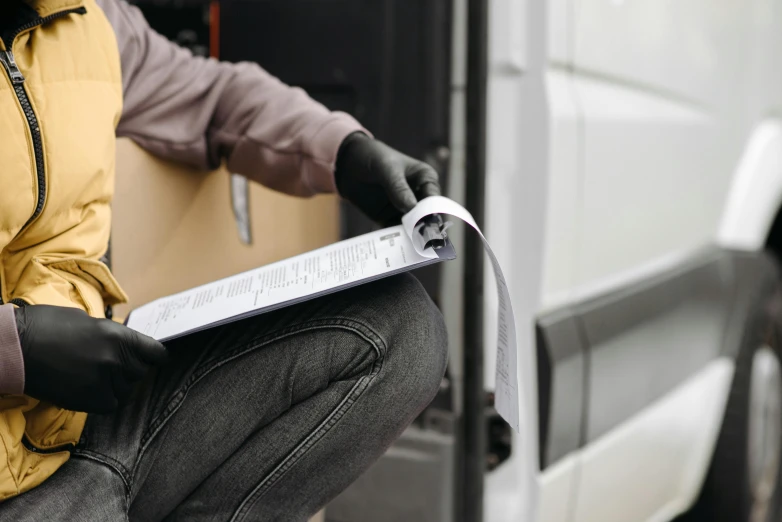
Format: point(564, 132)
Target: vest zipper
point(17, 82)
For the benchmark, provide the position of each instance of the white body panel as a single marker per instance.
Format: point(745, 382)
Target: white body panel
point(648, 468)
point(556, 484)
point(622, 136)
point(644, 193)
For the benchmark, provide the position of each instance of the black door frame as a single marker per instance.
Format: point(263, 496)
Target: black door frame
point(472, 433)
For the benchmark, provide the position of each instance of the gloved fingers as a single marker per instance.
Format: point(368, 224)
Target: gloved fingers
point(390, 217)
point(106, 406)
point(90, 399)
point(145, 349)
point(123, 387)
point(398, 190)
point(427, 189)
point(125, 379)
point(132, 367)
point(98, 406)
point(424, 180)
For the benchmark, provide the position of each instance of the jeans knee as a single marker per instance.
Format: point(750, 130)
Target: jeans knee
point(417, 345)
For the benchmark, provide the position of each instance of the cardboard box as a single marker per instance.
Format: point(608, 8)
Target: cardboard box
point(174, 228)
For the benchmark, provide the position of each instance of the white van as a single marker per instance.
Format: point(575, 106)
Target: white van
point(633, 186)
point(634, 171)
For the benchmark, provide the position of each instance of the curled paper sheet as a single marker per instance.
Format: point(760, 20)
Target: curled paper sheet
point(513, 399)
point(507, 391)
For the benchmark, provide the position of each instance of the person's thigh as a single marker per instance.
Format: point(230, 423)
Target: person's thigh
point(264, 419)
point(289, 409)
point(362, 366)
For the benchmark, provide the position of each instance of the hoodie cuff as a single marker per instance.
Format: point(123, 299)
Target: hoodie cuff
point(323, 148)
point(11, 361)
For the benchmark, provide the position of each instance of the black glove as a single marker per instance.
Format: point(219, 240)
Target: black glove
point(80, 363)
point(382, 182)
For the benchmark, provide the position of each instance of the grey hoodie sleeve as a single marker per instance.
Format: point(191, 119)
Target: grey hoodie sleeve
point(201, 112)
point(11, 361)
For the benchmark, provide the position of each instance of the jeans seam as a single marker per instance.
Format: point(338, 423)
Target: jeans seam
point(110, 463)
point(215, 362)
point(207, 367)
point(316, 435)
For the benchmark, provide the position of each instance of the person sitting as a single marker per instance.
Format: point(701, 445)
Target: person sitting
point(264, 419)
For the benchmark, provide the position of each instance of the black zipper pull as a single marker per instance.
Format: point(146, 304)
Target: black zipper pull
point(7, 57)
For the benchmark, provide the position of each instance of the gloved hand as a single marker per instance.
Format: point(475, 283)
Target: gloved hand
point(382, 182)
point(80, 363)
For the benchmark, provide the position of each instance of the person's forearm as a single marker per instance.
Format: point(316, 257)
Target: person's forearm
point(202, 112)
point(11, 361)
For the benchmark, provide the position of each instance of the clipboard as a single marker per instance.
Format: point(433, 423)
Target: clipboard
point(330, 269)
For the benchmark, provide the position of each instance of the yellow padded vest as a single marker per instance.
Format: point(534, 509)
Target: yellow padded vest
point(57, 158)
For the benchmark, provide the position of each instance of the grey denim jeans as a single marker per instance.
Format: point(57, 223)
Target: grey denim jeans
point(265, 419)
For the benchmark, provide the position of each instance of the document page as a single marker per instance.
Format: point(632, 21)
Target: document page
point(511, 400)
point(506, 394)
point(328, 269)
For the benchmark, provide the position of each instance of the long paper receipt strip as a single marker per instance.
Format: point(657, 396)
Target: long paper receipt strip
point(326, 270)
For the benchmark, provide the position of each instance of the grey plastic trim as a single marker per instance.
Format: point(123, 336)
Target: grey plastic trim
point(603, 360)
point(561, 374)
